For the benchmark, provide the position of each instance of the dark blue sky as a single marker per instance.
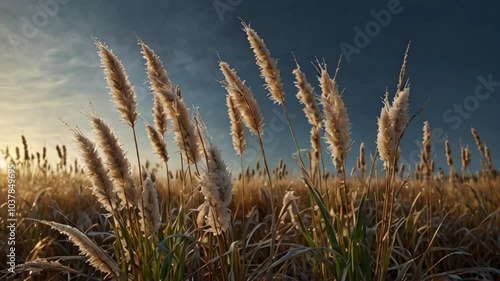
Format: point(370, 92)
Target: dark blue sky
point(53, 72)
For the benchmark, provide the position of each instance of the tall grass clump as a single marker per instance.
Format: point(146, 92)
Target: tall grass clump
point(198, 220)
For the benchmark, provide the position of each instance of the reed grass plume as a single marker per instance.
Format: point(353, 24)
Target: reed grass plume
point(237, 132)
point(267, 65)
point(115, 160)
point(447, 149)
point(393, 121)
point(306, 97)
point(290, 202)
point(157, 142)
point(25, 146)
point(360, 161)
point(243, 100)
point(477, 139)
point(184, 133)
point(150, 212)
point(216, 187)
point(95, 255)
point(102, 186)
point(337, 127)
point(487, 157)
point(316, 149)
point(465, 155)
point(121, 89)
point(158, 79)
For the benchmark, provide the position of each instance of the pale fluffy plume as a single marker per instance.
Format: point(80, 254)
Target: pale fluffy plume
point(267, 65)
point(96, 256)
point(217, 189)
point(385, 136)
point(184, 134)
point(150, 213)
point(158, 79)
point(337, 127)
point(102, 187)
point(116, 161)
point(237, 133)
point(306, 97)
point(243, 100)
point(120, 87)
point(393, 120)
point(399, 112)
point(157, 141)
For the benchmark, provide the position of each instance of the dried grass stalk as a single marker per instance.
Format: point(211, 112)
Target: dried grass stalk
point(96, 256)
point(478, 140)
point(267, 65)
point(293, 211)
point(158, 79)
point(150, 213)
point(487, 157)
point(38, 265)
point(243, 100)
point(117, 162)
point(306, 97)
point(337, 127)
point(447, 148)
point(315, 145)
point(217, 189)
point(157, 141)
point(237, 133)
point(361, 162)
point(385, 136)
point(184, 134)
point(102, 187)
point(120, 87)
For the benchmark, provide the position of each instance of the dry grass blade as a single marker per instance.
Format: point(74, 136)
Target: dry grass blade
point(96, 256)
point(39, 265)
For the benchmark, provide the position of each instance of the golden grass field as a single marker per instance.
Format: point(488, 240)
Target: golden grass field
point(98, 218)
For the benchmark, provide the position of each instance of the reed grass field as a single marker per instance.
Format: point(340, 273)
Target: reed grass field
point(111, 214)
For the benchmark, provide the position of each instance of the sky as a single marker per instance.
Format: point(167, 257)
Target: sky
point(50, 72)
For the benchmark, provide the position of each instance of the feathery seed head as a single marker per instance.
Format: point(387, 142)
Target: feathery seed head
point(120, 87)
